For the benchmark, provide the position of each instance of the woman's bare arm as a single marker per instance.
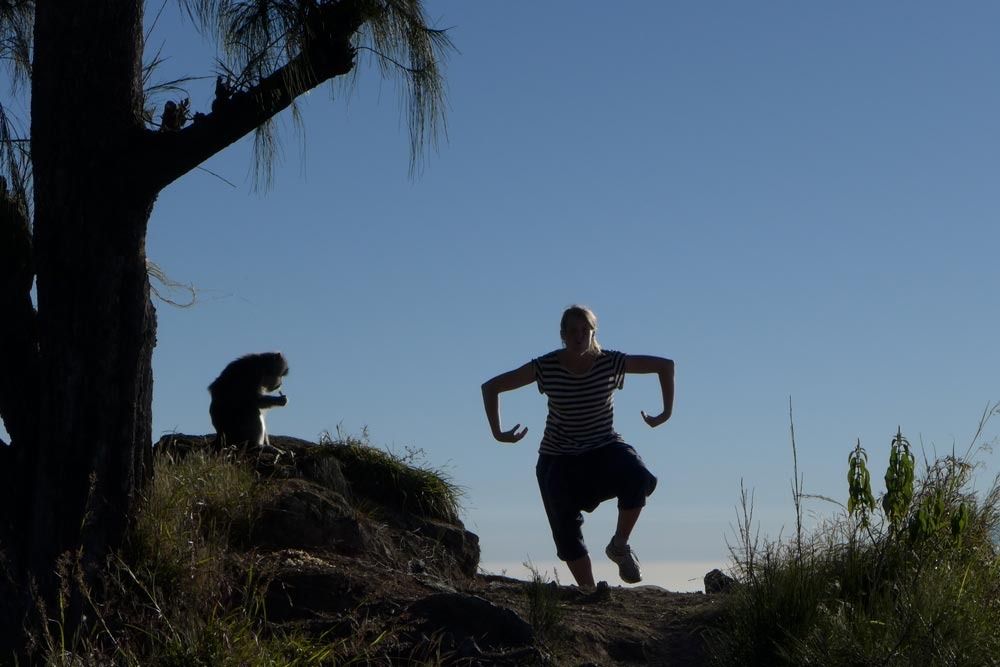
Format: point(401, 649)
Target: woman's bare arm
point(664, 368)
point(515, 379)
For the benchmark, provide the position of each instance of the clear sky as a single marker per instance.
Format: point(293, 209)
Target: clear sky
point(788, 199)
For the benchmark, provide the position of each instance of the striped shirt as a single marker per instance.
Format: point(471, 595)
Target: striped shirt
point(581, 407)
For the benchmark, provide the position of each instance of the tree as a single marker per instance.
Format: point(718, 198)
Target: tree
point(76, 389)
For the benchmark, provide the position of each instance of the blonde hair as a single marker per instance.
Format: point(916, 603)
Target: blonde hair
point(588, 316)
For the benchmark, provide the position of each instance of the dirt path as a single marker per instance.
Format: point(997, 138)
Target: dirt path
point(644, 625)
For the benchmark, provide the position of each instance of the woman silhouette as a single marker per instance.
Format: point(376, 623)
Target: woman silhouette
point(582, 460)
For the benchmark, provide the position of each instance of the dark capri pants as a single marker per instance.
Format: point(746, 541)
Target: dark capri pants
point(571, 484)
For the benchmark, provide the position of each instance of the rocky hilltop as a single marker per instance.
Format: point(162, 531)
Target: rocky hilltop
point(344, 554)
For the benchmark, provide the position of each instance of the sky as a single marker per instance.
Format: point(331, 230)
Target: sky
point(796, 202)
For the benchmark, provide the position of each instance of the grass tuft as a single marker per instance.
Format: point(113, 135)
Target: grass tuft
point(544, 610)
point(400, 483)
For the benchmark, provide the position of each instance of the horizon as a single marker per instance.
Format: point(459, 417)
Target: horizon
point(673, 576)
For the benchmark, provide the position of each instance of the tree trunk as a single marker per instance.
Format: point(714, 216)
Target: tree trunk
point(96, 323)
point(77, 390)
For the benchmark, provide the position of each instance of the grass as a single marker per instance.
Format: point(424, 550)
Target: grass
point(400, 483)
point(182, 591)
point(544, 610)
point(912, 581)
point(177, 594)
point(193, 510)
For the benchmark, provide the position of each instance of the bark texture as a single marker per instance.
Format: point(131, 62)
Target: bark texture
point(95, 324)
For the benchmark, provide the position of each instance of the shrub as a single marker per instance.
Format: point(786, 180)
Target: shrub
point(916, 583)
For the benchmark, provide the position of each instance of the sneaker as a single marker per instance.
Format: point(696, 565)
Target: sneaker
point(599, 593)
point(628, 563)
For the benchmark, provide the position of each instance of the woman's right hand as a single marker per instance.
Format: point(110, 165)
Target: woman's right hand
point(511, 436)
point(508, 381)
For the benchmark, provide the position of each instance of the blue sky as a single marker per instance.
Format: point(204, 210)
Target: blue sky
point(789, 199)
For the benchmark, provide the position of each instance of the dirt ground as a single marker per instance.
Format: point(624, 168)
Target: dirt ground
point(642, 625)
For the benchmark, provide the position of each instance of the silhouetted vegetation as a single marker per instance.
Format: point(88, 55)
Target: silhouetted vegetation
point(912, 580)
point(185, 591)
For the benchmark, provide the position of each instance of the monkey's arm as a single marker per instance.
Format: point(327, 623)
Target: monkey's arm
point(265, 401)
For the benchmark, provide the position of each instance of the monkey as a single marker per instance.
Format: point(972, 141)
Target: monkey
point(168, 121)
point(224, 91)
point(240, 395)
point(175, 115)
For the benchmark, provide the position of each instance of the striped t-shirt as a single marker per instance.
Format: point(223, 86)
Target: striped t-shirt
point(581, 407)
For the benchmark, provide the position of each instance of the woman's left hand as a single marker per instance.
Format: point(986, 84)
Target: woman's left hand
point(654, 421)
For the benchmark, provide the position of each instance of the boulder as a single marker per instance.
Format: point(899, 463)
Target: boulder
point(300, 514)
point(179, 445)
point(324, 469)
point(460, 543)
point(718, 582)
point(461, 615)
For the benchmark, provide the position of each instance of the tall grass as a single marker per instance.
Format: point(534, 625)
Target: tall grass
point(913, 580)
point(181, 594)
point(193, 509)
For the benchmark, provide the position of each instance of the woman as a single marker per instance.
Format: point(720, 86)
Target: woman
point(582, 461)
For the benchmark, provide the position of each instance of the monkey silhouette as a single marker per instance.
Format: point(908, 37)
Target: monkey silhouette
point(241, 394)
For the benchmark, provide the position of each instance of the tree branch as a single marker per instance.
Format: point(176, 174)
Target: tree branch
point(328, 54)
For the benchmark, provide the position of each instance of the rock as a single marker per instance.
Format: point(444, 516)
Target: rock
point(304, 587)
point(462, 615)
point(178, 445)
point(462, 544)
point(628, 651)
point(301, 514)
point(313, 462)
point(297, 446)
point(325, 470)
point(717, 582)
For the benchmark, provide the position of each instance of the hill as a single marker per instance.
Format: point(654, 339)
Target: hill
point(339, 553)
